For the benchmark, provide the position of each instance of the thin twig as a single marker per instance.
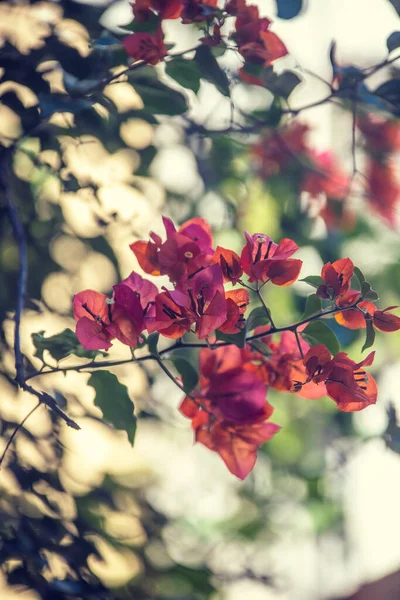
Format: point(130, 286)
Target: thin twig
point(14, 433)
point(296, 333)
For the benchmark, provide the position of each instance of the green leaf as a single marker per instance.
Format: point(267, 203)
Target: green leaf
point(188, 373)
point(393, 41)
point(150, 25)
point(260, 347)
point(185, 72)
point(359, 276)
point(152, 342)
point(313, 306)
point(367, 292)
point(113, 400)
point(61, 345)
point(281, 85)
point(314, 280)
point(318, 332)
point(271, 116)
point(158, 98)
point(211, 70)
point(60, 103)
point(370, 335)
point(239, 339)
point(258, 316)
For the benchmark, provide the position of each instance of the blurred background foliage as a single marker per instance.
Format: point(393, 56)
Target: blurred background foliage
point(82, 514)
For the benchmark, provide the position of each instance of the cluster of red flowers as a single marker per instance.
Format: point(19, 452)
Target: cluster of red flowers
point(287, 151)
point(228, 407)
point(383, 184)
point(251, 34)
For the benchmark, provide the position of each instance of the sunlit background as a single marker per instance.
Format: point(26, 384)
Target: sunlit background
point(319, 516)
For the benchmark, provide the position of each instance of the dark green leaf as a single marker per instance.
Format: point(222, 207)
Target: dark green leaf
point(113, 400)
point(318, 333)
point(359, 275)
point(150, 25)
point(314, 280)
point(287, 9)
point(158, 98)
point(393, 41)
point(367, 292)
point(281, 85)
point(185, 72)
point(152, 342)
point(239, 339)
point(260, 347)
point(258, 316)
point(60, 103)
point(61, 345)
point(211, 70)
point(272, 116)
point(188, 373)
point(313, 306)
point(370, 335)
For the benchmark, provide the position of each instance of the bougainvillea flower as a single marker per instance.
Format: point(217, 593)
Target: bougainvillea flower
point(383, 190)
point(386, 321)
point(237, 445)
point(284, 366)
point(346, 382)
point(349, 385)
point(101, 319)
point(383, 320)
point(148, 47)
point(248, 25)
point(228, 409)
point(325, 176)
point(208, 300)
point(354, 318)
point(127, 316)
point(236, 303)
point(263, 260)
point(278, 148)
point(93, 317)
point(230, 264)
point(199, 231)
point(185, 251)
point(173, 316)
point(337, 277)
point(382, 135)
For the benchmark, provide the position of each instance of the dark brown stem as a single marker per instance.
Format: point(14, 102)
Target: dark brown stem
point(19, 236)
point(179, 345)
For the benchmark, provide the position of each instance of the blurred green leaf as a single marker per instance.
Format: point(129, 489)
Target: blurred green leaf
point(185, 72)
point(158, 98)
point(188, 373)
point(313, 306)
point(211, 70)
point(314, 280)
point(239, 339)
point(113, 400)
point(370, 335)
point(258, 316)
point(318, 332)
point(367, 292)
point(152, 342)
point(61, 345)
